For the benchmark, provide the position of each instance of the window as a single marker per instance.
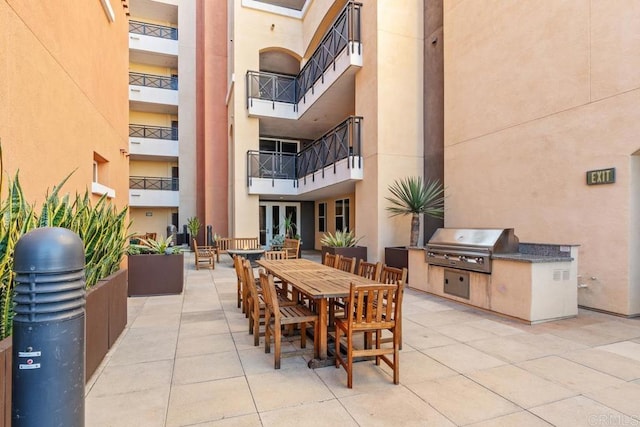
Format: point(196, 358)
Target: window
point(342, 214)
point(322, 217)
point(95, 171)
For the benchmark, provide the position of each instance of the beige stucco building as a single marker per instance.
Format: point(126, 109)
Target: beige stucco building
point(535, 97)
point(63, 99)
point(311, 109)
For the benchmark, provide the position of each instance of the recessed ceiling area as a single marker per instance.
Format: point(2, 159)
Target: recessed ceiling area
point(289, 4)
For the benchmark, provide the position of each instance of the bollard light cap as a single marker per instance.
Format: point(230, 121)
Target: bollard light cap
point(49, 250)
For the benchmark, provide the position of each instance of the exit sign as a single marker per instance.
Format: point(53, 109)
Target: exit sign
point(601, 176)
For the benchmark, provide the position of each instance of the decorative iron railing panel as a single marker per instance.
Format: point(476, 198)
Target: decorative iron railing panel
point(342, 142)
point(272, 87)
point(153, 30)
point(344, 32)
point(151, 80)
point(153, 183)
point(156, 132)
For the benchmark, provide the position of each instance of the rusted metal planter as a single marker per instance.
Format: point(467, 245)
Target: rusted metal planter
point(106, 317)
point(5, 382)
point(154, 274)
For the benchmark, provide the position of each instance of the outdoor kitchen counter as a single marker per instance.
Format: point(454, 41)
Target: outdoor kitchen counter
point(537, 284)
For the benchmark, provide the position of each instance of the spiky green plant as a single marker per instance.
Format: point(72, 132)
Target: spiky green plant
point(341, 239)
point(16, 218)
point(412, 196)
point(102, 228)
point(151, 246)
point(193, 225)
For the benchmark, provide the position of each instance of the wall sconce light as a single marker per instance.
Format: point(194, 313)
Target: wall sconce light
point(273, 26)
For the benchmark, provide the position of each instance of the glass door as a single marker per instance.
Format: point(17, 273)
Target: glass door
point(273, 219)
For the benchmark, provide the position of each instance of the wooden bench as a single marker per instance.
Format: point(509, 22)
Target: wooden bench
point(204, 255)
point(225, 243)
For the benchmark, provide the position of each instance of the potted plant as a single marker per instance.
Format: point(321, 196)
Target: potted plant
point(155, 268)
point(345, 243)
point(103, 231)
point(415, 197)
point(193, 225)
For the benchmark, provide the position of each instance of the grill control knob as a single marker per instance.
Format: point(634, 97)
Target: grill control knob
point(480, 260)
point(445, 256)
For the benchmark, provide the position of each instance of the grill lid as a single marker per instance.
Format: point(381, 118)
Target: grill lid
point(495, 240)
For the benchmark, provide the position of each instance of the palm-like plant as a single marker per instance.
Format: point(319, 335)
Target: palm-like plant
point(412, 196)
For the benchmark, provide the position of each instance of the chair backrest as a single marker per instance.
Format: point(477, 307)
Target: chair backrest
point(370, 270)
point(346, 264)
point(275, 255)
point(330, 259)
point(393, 275)
point(250, 281)
point(237, 264)
point(373, 306)
point(270, 294)
point(291, 247)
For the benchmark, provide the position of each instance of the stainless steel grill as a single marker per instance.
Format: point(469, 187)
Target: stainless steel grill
point(469, 248)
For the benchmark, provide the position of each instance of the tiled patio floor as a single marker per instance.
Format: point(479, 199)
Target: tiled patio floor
point(189, 360)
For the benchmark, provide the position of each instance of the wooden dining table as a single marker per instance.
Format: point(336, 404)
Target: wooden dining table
point(318, 282)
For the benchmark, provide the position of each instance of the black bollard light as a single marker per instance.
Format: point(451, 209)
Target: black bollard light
point(209, 235)
point(48, 329)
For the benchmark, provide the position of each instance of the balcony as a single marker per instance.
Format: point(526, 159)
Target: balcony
point(338, 55)
point(334, 158)
point(153, 142)
point(153, 93)
point(145, 191)
point(153, 44)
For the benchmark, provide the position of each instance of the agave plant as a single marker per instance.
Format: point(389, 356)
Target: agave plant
point(102, 229)
point(412, 196)
point(151, 246)
point(341, 239)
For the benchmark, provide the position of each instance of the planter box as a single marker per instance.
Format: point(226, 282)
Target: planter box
point(5, 382)
point(360, 252)
point(106, 318)
point(398, 257)
point(151, 274)
point(96, 327)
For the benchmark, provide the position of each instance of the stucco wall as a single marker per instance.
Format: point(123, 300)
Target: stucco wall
point(63, 94)
point(534, 98)
point(389, 97)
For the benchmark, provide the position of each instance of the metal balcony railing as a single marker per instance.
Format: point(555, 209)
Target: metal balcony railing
point(153, 183)
point(339, 143)
point(153, 30)
point(156, 132)
point(344, 30)
point(152, 80)
point(291, 89)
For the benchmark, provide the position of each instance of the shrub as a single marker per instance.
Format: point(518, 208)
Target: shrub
point(103, 231)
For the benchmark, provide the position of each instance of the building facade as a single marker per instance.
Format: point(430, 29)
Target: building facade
point(536, 100)
point(63, 100)
point(246, 112)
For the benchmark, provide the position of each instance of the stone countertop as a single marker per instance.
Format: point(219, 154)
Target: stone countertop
point(532, 258)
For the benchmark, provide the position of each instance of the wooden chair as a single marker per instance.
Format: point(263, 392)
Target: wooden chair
point(275, 255)
point(330, 259)
point(276, 317)
point(255, 302)
point(346, 264)
point(371, 308)
point(291, 247)
point(398, 276)
point(204, 255)
point(370, 270)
